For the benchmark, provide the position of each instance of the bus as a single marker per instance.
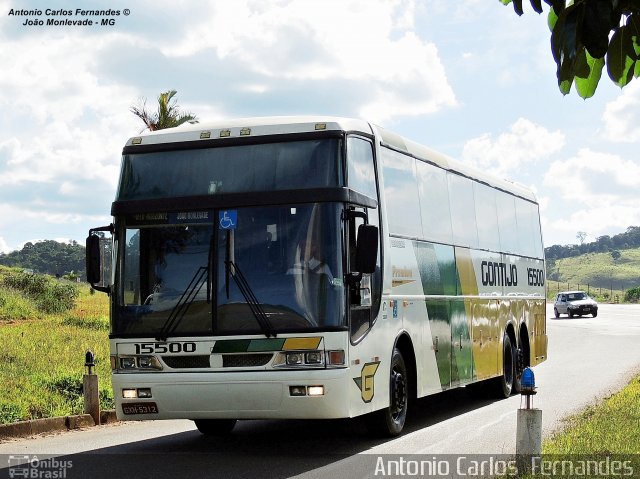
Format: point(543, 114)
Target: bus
point(301, 267)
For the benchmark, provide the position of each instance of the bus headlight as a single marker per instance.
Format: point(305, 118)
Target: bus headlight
point(315, 390)
point(128, 362)
point(133, 363)
point(149, 362)
point(294, 359)
point(314, 357)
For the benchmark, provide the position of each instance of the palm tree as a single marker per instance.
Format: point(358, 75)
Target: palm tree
point(167, 116)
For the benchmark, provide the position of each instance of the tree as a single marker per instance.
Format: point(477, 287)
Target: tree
point(580, 236)
point(615, 254)
point(584, 34)
point(167, 116)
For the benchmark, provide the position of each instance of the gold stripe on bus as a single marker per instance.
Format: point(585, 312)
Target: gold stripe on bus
point(292, 344)
point(466, 273)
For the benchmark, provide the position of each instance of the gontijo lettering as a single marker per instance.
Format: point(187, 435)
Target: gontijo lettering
point(498, 274)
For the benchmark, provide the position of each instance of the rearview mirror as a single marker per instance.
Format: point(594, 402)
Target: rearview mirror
point(93, 265)
point(366, 249)
point(97, 259)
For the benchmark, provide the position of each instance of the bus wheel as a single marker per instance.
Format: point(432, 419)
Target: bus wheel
point(504, 383)
point(215, 427)
point(390, 420)
point(519, 369)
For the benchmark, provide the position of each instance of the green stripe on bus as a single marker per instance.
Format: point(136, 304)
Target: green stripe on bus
point(231, 346)
point(266, 345)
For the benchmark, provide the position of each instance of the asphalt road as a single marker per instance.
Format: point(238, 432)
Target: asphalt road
point(589, 358)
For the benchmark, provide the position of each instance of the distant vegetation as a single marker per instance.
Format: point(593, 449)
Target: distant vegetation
point(608, 266)
point(602, 244)
point(597, 270)
point(49, 257)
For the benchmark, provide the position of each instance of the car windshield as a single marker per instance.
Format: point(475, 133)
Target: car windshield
point(577, 296)
point(247, 270)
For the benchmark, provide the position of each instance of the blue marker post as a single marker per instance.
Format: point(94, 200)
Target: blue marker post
point(529, 424)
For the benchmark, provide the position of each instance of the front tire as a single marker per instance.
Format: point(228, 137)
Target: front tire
point(390, 420)
point(215, 427)
point(556, 313)
point(595, 314)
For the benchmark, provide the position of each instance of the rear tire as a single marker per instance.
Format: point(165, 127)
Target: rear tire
point(390, 420)
point(504, 385)
point(215, 427)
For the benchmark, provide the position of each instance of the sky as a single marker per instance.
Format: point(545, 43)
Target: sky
point(469, 78)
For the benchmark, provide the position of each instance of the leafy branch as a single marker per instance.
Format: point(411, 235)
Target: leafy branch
point(586, 35)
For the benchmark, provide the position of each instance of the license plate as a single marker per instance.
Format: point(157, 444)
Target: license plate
point(140, 408)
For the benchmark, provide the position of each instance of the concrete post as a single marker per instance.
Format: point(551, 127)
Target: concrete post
point(91, 397)
point(529, 432)
point(90, 389)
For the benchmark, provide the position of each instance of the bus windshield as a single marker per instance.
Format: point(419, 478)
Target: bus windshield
point(231, 169)
point(207, 272)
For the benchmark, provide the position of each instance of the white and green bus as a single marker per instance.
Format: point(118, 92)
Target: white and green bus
point(312, 268)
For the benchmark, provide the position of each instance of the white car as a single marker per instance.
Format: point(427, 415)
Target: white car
point(574, 303)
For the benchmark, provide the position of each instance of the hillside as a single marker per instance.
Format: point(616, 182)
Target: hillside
point(598, 270)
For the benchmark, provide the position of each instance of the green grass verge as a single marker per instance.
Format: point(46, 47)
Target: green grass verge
point(602, 441)
point(612, 427)
point(42, 354)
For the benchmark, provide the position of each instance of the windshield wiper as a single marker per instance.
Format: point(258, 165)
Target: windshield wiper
point(249, 296)
point(188, 296)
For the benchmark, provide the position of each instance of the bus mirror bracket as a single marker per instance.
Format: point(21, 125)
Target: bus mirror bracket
point(93, 255)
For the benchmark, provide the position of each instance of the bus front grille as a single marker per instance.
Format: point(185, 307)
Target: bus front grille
point(245, 360)
point(187, 362)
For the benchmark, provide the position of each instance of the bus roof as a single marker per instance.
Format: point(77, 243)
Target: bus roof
point(249, 127)
point(282, 125)
point(423, 153)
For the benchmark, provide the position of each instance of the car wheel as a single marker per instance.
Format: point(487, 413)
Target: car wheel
point(390, 420)
point(556, 313)
point(215, 427)
point(595, 313)
point(570, 314)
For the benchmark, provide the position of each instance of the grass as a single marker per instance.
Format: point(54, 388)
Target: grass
point(602, 440)
point(612, 427)
point(43, 353)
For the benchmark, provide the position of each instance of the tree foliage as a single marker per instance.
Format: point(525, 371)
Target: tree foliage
point(602, 244)
point(48, 256)
point(632, 295)
point(168, 114)
point(586, 35)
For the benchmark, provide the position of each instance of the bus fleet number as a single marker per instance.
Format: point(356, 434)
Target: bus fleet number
point(160, 348)
point(535, 277)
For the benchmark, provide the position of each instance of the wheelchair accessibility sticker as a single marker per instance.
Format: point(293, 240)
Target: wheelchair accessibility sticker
point(228, 219)
point(365, 381)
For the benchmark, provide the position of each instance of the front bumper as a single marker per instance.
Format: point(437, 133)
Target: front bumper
point(235, 395)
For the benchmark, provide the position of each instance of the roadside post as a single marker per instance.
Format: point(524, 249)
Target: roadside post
point(529, 423)
point(90, 388)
